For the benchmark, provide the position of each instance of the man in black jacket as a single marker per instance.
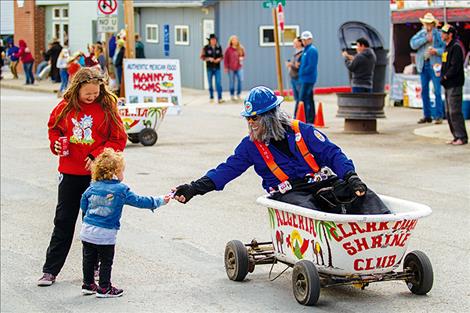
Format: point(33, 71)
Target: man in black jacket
point(361, 66)
point(452, 78)
point(53, 54)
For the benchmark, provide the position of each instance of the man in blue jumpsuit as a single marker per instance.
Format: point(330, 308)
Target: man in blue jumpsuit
point(290, 172)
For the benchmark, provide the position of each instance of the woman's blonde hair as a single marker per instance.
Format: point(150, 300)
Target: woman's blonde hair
point(238, 46)
point(107, 165)
point(106, 98)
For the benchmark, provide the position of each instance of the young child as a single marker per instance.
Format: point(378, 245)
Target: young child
point(89, 119)
point(102, 206)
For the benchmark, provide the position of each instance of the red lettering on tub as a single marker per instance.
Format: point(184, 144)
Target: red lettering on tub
point(139, 112)
point(361, 244)
point(280, 221)
point(355, 228)
point(334, 234)
point(376, 242)
point(294, 223)
point(301, 223)
point(349, 248)
point(407, 225)
point(373, 263)
point(370, 227)
point(383, 226)
point(311, 224)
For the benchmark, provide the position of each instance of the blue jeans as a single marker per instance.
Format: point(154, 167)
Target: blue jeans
point(118, 76)
point(361, 89)
point(295, 91)
point(211, 72)
point(40, 67)
point(427, 74)
point(232, 75)
point(28, 71)
point(306, 95)
point(64, 79)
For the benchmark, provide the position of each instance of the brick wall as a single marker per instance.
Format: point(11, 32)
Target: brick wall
point(30, 26)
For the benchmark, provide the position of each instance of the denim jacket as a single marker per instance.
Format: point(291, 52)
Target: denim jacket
point(102, 203)
point(418, 42)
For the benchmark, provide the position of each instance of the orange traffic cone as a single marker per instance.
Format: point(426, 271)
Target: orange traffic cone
point(300, 112)
point(319, 120)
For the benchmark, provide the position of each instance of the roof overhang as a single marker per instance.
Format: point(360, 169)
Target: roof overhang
point(169, 4)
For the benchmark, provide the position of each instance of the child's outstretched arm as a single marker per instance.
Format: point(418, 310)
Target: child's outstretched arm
point(84, 202)
point(145, 202)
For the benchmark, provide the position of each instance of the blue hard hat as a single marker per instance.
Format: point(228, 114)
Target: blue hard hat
point(260, 100)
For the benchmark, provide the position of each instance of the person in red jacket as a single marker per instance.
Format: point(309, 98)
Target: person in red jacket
point(233, 62)
point(89, 119)
point(25, 56)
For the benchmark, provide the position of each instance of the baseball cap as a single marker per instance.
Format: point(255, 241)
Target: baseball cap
point(306, 35)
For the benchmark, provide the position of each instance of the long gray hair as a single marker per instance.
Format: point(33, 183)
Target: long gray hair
point(273, 126)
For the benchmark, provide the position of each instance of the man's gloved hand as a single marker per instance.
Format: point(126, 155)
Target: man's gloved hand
point(184, 193)
point(356, 184)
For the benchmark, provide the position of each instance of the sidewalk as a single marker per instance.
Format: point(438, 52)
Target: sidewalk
point(200, 97)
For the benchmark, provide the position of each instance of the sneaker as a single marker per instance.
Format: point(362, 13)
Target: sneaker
point(424, 120)
point(110, 292)
point(232, 98)
point(46, 280)
point(90, 289)
point(211, 100)
point(438, 121)
point(459, 142)
point(220, 101)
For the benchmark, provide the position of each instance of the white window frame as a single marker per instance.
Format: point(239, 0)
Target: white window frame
point(179, 42)
point(61, 20)
point(157, 33)
point(271, 44)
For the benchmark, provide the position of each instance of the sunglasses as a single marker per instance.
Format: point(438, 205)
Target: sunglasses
point(253, 118)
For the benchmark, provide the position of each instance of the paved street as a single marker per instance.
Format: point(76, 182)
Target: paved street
point(172, 261)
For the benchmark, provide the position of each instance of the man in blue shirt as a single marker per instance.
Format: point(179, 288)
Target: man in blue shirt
point(11, 54)
point(308, 75)
point(429, 46)
point(294, 159)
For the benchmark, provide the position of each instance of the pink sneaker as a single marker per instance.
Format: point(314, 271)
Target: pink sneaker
point(46, 280)
point(89, 289)
point(110, 292)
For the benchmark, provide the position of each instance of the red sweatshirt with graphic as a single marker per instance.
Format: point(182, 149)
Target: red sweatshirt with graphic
point(88, 134)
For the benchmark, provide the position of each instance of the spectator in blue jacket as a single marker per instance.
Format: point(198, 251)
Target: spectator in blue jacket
point(102, 205)
point(11, 54)
point(308, 76)
point(273, 147)
point(429, 46)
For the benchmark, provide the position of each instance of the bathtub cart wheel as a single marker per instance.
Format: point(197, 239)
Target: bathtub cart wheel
point(306, 283)
point(134, 138)
point(418, 264)
point(148, 136)
point(236, 260)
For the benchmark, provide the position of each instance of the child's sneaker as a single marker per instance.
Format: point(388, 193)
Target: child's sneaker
point(110, 292)
point(46, 280)
point(89, 289)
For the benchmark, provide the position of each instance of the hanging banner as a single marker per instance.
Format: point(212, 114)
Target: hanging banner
point(166, 40)
point(153, 81)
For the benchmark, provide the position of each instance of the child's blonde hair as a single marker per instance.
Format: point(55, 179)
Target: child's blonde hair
point(108, 164)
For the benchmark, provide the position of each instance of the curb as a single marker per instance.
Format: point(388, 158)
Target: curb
point(27, 88)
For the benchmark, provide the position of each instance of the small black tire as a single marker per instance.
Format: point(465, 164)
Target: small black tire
point(306, 283)
point(134, 138)
point(236, 260)
point(423, 277)
point(148, 136)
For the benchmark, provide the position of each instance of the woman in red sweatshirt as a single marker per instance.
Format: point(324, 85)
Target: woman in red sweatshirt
point(88, 118)
point(233, 61)
point(25, 56)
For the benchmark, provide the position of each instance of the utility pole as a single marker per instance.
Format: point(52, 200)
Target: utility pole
point(130, 40)
point(278, 52)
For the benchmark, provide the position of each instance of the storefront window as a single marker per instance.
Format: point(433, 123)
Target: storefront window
point(181, 35)
point(266, 35)
point(60, 24)
point(151, 33)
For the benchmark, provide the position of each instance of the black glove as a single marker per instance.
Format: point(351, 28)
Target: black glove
point(199, 187)
point(355, 182)
point(185, 190)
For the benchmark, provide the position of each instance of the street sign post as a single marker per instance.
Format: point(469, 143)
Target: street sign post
point(166, 40)
point(107, 7)
point(269, 4)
